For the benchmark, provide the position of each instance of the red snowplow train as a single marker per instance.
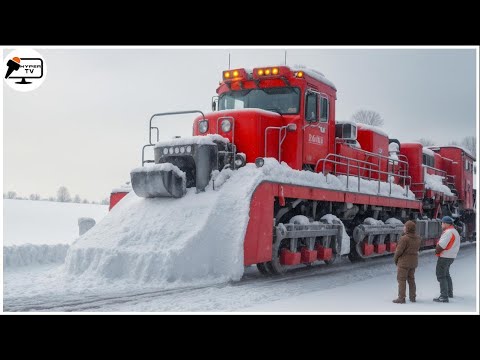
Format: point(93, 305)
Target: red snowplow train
point(289, 114)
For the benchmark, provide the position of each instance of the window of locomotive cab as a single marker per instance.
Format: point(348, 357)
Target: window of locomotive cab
point(282, 100)
point(324, 109)
point(311, 107)
point(428, 160)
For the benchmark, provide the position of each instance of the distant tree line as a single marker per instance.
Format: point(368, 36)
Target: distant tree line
point(63, 195)
point(468, 142)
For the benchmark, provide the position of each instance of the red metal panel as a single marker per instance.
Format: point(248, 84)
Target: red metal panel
point(414, 153)
point(391, 246)
point(376, 143)
point(382, 201)
point(463, 175)
point(308, 256)
point(367, 249)
point(115, 198)
point(324, 253)
point(305, 192)
point(257, 246)
point(357, 198)
point(352, 153)
point(289, 258)
point(380, 248)
point(259, 235)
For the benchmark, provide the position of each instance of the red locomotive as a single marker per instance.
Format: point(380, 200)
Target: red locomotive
point(289, 114)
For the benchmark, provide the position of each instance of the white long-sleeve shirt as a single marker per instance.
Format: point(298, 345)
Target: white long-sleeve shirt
point(450, 242)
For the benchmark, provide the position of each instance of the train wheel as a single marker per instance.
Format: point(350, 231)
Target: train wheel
point(355, 254)
point(274, 266)
point(332, 259)
point(262, 268)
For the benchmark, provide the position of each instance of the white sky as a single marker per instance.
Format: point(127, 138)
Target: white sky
point(85, 126)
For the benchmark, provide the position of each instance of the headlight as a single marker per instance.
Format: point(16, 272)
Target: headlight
point(259, 162)
point(165, 151)
point(203, 126)
point(226, 125)
point(189, 149)
point(240, 160)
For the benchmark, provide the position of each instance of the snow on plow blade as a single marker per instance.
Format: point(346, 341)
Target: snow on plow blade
point(160, 180)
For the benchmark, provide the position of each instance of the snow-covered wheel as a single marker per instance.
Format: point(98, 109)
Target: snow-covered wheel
point(262, 268)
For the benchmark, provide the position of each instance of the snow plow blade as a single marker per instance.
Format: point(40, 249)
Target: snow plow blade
point(161, 180)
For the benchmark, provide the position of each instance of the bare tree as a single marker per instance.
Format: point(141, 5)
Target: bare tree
point(11, 195)
point(85, 201)
point(52, 198)
point(453, 143)
point(77, 199)
point(470, 143)
point(105, 201)
point(34, 196)
point(63, 195)
point(368, 117)
point(426, 142)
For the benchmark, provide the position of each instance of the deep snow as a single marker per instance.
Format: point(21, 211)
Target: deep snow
point(45, 222)
point(49, 287)
point(341, 287)
point(40, 232)
point(169, 241)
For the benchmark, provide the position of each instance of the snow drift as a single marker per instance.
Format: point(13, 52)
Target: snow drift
point(435, 183)
point(32, 254)
point(180, 241)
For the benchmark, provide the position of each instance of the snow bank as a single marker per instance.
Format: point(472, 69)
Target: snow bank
point(123, 188)
point(197, 238)
point(345, 242)
point(30, 254)
point(372, 221)
point(427, 151)
point(371, 187)
point(45, 222)
point(314, 74)
point(393, 221)
point(375, 129)
point(434, 182)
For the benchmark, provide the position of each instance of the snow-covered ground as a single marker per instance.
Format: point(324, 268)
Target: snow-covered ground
point(42, 231)
point(45, 222)
point(186, 254)
point(341, 287)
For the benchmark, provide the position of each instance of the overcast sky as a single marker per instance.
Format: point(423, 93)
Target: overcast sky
point(85, 126)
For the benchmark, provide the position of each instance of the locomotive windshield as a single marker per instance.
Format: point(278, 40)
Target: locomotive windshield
point(283, 100)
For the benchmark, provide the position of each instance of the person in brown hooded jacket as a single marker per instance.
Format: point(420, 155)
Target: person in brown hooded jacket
point(406, 259)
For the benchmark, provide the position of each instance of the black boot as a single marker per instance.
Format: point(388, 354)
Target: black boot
point(441, 299)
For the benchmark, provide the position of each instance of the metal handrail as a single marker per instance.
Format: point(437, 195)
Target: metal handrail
point(404, 162)
point(170, 113)
point(280, 139)
point(158, 131)
point(379, 157)
point(377, 171)
point(442, 172)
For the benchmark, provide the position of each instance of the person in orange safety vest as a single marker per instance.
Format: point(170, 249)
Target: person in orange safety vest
point(446, 250)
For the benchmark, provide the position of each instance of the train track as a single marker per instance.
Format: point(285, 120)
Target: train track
point(252, 281)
